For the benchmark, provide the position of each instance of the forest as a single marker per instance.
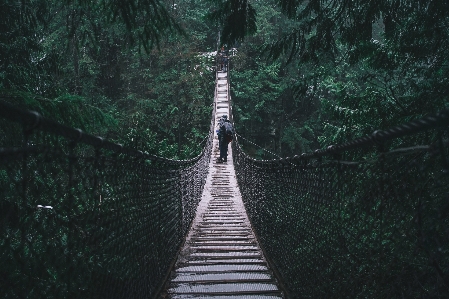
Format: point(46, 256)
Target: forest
point(306, 74)
point(88, 221)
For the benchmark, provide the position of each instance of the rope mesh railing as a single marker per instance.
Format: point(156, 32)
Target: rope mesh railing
point(356, 220)
point(86, 218)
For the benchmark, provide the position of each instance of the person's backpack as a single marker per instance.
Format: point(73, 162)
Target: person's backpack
point(228, 130)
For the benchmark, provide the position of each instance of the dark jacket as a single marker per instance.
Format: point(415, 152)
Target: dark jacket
point(226, 131)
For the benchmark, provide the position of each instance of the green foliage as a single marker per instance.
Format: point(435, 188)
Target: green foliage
point(350, 68)
point(271, 105)
point(177, 103)
point(346, 68)
point(93, 65)
point(72, 111)
point(21, 63)
point(237, 18)
point(145, 21)
point(372, 229)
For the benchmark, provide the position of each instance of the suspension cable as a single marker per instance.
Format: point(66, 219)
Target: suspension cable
point(265, 150)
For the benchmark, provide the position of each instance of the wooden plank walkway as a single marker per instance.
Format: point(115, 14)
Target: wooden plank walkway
point(221, 258)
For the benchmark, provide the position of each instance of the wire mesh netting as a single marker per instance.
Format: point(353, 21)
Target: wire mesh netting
point(85, 218)
point(356, 224)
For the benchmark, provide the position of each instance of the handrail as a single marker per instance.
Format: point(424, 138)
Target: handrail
point(85, 217)
point(378, 137)
point(371, 227)
point(33, 120)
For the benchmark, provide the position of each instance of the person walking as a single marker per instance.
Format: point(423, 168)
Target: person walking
point(225, 133)
point(225, 63)
point(222, 55)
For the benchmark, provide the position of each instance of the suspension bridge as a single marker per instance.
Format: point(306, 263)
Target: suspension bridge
point(82, 217)
point(221, 255)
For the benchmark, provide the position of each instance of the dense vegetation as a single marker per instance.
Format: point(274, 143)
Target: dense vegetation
point(126, 70)
point(307, 73)
point(338, 70)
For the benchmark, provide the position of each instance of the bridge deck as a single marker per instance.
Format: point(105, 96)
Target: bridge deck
point(221, 258)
